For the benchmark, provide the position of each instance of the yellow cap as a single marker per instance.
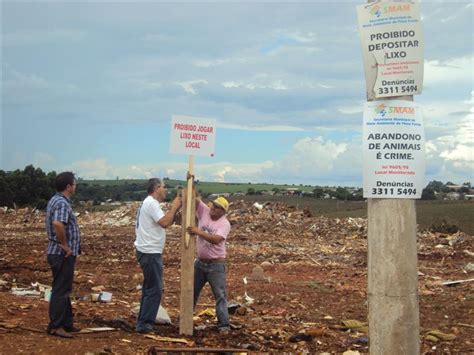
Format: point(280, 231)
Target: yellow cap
point(221, 202)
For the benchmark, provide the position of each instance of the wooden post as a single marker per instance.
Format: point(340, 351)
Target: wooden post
point(394, 324)
point(188, 249)
point(190, 193)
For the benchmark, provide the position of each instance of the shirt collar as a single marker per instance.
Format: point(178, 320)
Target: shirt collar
point(63, 196)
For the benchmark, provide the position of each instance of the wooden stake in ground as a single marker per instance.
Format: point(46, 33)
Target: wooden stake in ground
point(188, 249)
point(394, 324)
point(189, 196)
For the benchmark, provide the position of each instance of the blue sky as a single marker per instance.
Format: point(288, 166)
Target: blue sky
point(91, 87)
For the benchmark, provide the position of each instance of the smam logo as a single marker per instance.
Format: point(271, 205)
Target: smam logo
point(375, 11)
point(383, 110)
point(378, 10)
point(380, 110)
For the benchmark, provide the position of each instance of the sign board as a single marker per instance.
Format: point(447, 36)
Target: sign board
point(192, 135)
point(393, 150)
point(392, 48)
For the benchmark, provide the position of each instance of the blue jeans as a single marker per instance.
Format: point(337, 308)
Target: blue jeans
point(60, 309)
point(215, 274)
point(152, 267)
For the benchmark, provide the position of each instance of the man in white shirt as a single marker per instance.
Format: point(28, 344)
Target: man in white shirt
point(149, 244)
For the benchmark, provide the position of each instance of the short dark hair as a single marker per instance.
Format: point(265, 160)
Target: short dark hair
point(64, 179)
point(152, 184)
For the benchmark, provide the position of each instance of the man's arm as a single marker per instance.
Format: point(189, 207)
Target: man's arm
point(211, 238)
point(168, 219)
point(61, 235)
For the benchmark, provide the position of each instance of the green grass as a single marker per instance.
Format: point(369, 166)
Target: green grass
point(112, 182)
point(214, 187)
point(205, 187)
point(459, 213)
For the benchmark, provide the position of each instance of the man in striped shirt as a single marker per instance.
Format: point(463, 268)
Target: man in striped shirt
point(63, 247)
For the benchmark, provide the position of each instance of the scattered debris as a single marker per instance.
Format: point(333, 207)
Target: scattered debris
point(116, 323)
point(438, 335)
point(96, 330)
point(457, 282)
point(167, 339)
point(258, 275)
point(25, 291)
point(317, 266)
point(469, 267)
point(352, 324)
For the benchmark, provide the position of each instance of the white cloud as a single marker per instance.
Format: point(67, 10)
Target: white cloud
point(448, 71)
point(326, 86)
point(92, 169)
point(459, 153)
point(147, 85)
point(15, 79)
point(318, 160)
point(209, 63)
point(227, 172)
point(269, 128)
point(188, 86)
point(43, 160)
point(220, 171)
point(257, 84)
point(450, 157)
point(313, 154)
point(20, 87)
point(302, 37)
point(352, 109)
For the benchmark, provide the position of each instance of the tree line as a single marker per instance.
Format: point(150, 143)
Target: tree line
point(34, 187)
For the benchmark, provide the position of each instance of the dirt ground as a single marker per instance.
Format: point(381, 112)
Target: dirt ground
point(305, 274)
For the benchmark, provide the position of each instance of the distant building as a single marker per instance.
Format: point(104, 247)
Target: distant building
point(453, 196)
point(291, 190)
point(223, 194)
point(455, 187)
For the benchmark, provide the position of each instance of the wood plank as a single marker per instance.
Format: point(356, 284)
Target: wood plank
point(188, 251)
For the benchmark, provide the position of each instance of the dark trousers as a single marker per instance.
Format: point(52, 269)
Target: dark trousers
point(60, 309)
point(152, 267)
point(215, 275)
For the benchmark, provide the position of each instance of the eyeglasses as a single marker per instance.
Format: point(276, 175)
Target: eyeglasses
point(218, 207)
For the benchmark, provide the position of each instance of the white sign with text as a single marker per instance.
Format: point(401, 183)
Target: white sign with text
point(192, 135)
point(392, 48)
point(393, 150)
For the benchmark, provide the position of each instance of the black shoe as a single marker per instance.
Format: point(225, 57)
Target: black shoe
point(147, 331)
point(59, 332)
point(72, 329)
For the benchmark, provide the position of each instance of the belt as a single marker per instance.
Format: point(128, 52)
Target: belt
point(212, 261)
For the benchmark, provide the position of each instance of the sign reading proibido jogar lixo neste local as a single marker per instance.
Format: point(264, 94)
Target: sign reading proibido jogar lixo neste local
point(192, 135)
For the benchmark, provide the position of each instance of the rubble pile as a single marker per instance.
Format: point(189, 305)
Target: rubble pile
point(297, 283)
point(267, 228)
point(27, 216)
point(119, 217)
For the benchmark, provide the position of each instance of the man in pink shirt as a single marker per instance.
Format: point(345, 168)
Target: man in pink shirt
point(210, 265)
